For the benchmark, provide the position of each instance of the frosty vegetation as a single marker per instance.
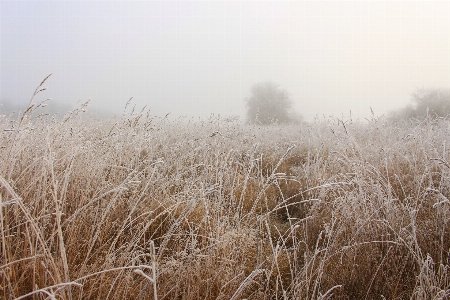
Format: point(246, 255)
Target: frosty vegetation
point(140, 207)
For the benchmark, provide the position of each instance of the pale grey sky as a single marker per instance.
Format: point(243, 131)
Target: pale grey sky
point(195, 58)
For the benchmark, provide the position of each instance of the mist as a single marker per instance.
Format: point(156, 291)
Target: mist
point(201, 58)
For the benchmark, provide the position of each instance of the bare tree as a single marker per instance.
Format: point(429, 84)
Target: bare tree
point(269, 104)
point(425, 103)
point(434, 102)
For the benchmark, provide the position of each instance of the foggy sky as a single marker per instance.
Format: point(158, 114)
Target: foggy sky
point(197, 58)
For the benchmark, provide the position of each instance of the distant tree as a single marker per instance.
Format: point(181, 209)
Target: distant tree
point(268, 104)
point(431, 103)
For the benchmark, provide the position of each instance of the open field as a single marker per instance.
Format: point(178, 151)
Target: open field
point(214, 209)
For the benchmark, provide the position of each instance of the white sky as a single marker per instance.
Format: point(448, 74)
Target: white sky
point(197, 58)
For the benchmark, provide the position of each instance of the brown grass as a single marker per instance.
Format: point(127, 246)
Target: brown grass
point(327, 210)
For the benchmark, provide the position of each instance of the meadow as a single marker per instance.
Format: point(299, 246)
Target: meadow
point(140, 207)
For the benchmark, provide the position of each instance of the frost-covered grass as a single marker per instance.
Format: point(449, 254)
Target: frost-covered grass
point(331, 209)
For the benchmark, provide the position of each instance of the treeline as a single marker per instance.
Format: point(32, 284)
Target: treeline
point(268, 103)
